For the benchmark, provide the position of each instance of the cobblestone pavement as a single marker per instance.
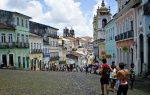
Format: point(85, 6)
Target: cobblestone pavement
point(20, 82)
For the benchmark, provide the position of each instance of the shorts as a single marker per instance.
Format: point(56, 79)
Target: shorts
point(104, 81)
point(132, 78)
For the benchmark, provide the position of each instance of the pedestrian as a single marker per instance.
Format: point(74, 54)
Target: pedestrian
point(122, 75)
point(86, 69)
point(132, 75)
point(112, 78)
point(105, 71)
point(1, 63)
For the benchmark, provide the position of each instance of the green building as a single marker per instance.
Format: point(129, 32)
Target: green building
point(14, 39)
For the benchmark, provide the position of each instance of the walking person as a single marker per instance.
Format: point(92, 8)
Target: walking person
point(105, 71)
point(86, 69)
point(132, 75)
point(122, 75)
point(112, 78)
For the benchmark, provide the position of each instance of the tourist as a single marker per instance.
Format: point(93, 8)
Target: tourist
point(105, 71)
point(122, 75)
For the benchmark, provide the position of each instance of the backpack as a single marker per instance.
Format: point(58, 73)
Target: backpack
point(106, 72)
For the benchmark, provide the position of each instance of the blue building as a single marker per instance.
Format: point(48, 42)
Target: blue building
point(146, 11)
point(110, 43)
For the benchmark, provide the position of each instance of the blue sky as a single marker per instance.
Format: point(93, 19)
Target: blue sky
point(77, 14)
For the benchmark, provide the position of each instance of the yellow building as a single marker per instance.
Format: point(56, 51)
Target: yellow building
point(62, 50)
point(36, 55)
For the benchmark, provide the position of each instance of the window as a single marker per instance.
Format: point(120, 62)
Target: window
point(131, 23)
point(31, 46)
point(120, 29)
point(22, 36)
point(104, 22)
point(26, 23)
point(22, 23)
point(27, 39)
point(40, 45)
point(113, 33)
point(18, 21)
point(123, 29)
point(3, 38)
point(18, 37)
point(10, 38)
point(37, 45)
point(127, 24)
point(34, 45)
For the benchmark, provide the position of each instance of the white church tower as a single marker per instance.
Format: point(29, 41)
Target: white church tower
point(100, 20)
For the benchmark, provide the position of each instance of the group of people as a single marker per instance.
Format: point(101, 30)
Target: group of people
point(116, 76)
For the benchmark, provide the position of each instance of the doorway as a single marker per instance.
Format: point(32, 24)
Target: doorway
point(141, 51)
point(148, 55)
point(19, 61)
point(27, 60)
point(4, 59)
point(11, 61)
point(23, 62)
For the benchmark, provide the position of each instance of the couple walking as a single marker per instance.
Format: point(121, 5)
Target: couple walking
point(120, 73)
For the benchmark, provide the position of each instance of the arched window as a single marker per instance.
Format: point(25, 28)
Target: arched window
point(104, 22)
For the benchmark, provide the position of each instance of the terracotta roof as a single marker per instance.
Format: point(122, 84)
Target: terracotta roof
point(6, 27)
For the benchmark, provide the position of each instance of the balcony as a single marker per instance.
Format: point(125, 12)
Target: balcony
point(36, 51)
point(7, 45)
point(52, 35)
point(22, 45)
point(54, 58)
point(46, 55)
point(136, 3)
point(124, 36)
point(146, 8)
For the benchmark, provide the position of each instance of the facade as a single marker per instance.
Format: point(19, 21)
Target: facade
point(36, 52)
point(49, 35)
point(46, 54)
point(146, 35)
point(62, 51)
point(102, 17)
point(54, 48)
point(14, 39)
point(126, 37)
point(110, 42)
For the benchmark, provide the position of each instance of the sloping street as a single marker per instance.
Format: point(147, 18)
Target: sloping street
point(16, 82)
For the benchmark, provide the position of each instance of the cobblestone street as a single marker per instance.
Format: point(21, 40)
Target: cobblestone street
point(20, 82)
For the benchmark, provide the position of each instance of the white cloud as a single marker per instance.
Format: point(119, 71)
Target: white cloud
point(63, 13)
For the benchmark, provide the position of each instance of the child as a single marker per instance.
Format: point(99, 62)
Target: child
point(132, 75)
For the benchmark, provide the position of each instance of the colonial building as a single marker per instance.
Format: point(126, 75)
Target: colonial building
point(145, 34)
point(14, 39)
point(62, 50)
point(99, 21)
point(49, 35)
point(126, 38)
point(46, 54)
point(110, 43)
point(36, 53)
